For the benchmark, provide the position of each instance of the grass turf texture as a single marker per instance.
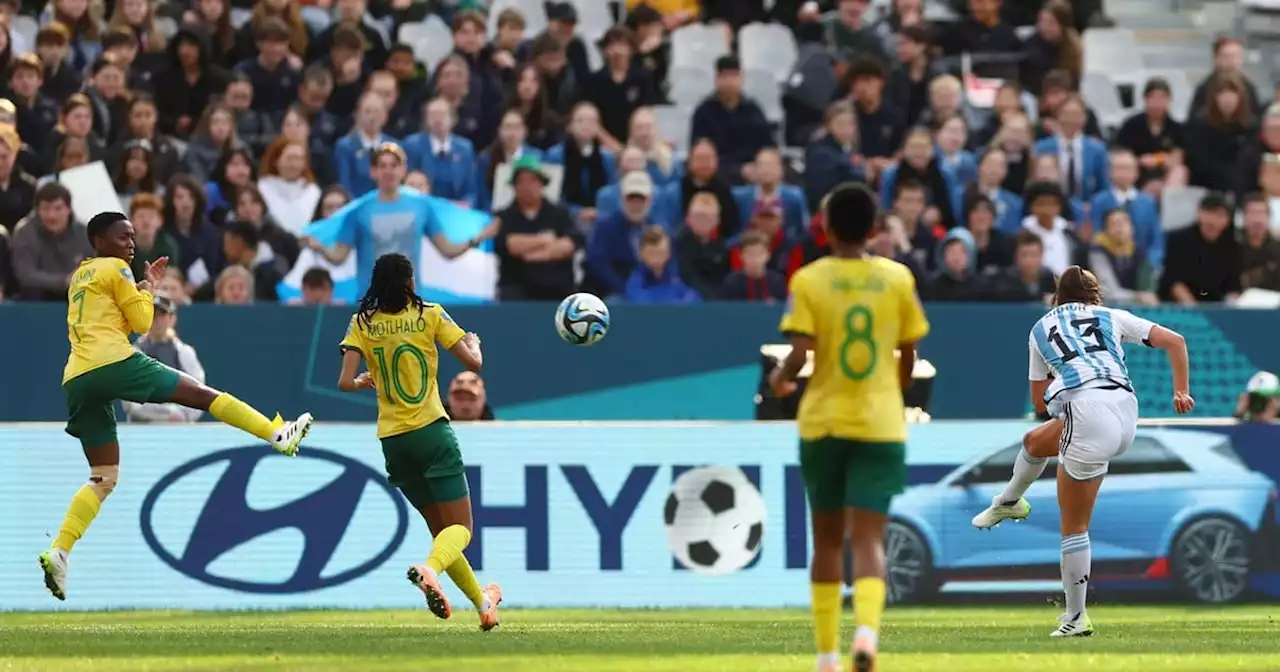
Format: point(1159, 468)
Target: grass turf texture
point(955, 639)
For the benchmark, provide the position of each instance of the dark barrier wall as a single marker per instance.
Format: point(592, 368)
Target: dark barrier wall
point(658, 362)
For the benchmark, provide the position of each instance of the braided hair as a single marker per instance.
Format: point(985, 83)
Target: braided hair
point(391, 290)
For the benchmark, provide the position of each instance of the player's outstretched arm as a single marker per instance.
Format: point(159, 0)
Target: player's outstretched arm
point(348, 379)
point(782, 378)
point(467, 350)
point(1175, 347)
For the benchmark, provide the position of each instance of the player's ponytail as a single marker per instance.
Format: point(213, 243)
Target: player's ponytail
point(391, 289)
point(1076, 285)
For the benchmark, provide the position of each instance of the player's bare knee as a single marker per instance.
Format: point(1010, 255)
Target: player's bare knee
point(103, 479)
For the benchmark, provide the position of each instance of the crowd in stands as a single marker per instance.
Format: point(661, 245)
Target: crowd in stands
point(227, 128)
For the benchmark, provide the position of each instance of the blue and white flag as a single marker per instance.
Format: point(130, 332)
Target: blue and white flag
point(470, 278)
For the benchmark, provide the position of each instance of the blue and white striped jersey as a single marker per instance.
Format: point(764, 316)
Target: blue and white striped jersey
point(1080, 344)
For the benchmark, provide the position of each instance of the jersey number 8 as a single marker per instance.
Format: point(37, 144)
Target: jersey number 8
point(858, 334)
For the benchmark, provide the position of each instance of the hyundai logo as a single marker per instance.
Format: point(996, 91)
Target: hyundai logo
point(194, 519)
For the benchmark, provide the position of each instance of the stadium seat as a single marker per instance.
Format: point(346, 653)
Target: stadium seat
point(674, 124)
point(534, 13)
point(769, 47)
point(431, 40)
point(27, 27)
point(1103, 97)
point(1178, 206)
point(168, 27)
point(698, 46)
point(593, 19)
point(1180, 87)
point(690, 85)
point(1110, 50)
point(761, 86)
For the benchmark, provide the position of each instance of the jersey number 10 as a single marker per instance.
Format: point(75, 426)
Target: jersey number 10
point(1088, 329)
point(391, 378)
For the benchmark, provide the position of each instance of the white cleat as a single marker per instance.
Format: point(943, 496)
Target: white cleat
point(290, 435)
point(1080, 626)
point(999, 512)
point(54, 564)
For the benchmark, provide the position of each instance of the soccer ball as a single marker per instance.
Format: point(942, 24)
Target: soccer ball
point(582, 319)
point(715, 520)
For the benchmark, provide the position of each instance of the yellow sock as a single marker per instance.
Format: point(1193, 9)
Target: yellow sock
point(868, 602)
point(240, 415)
point(448, 547)
point(465, 578)
point(826, 616)
point(84, 508)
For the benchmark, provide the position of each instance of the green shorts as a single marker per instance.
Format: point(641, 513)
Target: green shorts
point(92, 396)
point(426, 464)
point(841, 473)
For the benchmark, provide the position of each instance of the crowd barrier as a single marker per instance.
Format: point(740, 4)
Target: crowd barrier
point(657, 363)
point(572, 514)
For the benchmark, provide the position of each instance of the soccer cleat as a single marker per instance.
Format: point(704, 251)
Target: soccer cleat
point(428, 582)
point(833, 666)
point(290, 434)
point(1077, 626)
point(54, 564)
point(489, 617)
point(864, 653)
point(999, 512)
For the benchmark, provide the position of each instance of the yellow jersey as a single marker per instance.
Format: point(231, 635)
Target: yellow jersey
point(857, 311)
point(103, 306)
point(400, 352)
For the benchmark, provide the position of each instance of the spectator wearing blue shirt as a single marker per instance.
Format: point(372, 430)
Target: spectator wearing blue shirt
point(951, 139)
point(881, 126)
point(588, 167)
point(609, 198)
point(832, 158)
point(992, 171)
point(661, 162)
point(655, 279)
point(613, 250)
point(1046, 169)
point(734, 123)
point(769, 189)
point(920, 164)
point(1082, 159)
point(401, 217)
point(1144, 215)
point(274, 79)
point(447, 159)
point(354, 152)
point(701, 174)
point(509, 148)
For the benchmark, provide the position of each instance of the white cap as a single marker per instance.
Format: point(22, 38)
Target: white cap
point(1263, 382)
point(637, 183)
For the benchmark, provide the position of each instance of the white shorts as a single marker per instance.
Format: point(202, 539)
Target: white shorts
point(1098, 425)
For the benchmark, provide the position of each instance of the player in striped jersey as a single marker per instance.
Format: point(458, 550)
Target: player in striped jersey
point(1078, 376)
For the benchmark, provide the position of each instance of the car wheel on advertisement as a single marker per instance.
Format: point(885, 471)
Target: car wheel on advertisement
point(1210, 559)
point(909, 564)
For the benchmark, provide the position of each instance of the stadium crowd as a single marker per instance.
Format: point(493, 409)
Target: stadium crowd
point(227, 128)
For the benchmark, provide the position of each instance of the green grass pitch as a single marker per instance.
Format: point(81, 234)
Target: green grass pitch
point(986, 639)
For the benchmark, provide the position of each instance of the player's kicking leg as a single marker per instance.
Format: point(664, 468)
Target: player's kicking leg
point(450, 524)
point(283, 436)
point(1038, 446)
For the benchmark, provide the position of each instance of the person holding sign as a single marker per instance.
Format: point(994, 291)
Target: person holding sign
point(393, 221)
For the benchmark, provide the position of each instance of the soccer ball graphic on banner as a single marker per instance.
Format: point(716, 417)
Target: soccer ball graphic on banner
point(715, 520)
point(582, 319)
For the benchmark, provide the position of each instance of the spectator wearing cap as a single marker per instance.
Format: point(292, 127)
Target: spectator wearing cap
point(921, 163)
point(1058, 239)
point(1267, 141)
point(1143, 211)
point(1156, 139)
point(190, 79)
point(766, 219)
point(36, 114)
point(1083, 159)
point(1217, 138)
point(701, 254)
point(619, 88)
point(17, 188)
point(656, 279)
point(982, 31)
point(701, 174)
point(907, 85)
point(755, 281)
point(767, 187)
point(881, 126)
point(992, 248)
point(612, 248)
point(588, 167)
point(467, 400)
point(609, 198)
point(562, 22)
point(1202, 262)
point(1228, 61)
point(48, 246)
point(162, 344)
point(849, 33)
point(317, 287)
point(141, 119)
point(106, 89)
point(354, 149)
point(734, 123)
point(84, 29)
point(240, 241)
point(484, 94)
point(151, 241)
point(993, 168)
point(559, 79)
point(1259, 249)
point(53, 46)
point(536, 242)
point(448, 160)
point(352, 13)
point(832, 157)
point(274, 78)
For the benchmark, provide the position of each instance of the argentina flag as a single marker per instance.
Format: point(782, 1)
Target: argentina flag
point(470, 278)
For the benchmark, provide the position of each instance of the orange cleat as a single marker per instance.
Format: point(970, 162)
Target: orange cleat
point(489, 617)
point(426, 580)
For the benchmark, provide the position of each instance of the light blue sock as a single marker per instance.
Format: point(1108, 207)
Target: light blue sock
point(1076, 558)
point(1026, 469)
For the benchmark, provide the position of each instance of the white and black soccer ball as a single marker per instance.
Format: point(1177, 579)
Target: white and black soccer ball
point(582, 319)
point(715, 520)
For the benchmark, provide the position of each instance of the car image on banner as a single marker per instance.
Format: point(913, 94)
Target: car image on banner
point(1179, 510)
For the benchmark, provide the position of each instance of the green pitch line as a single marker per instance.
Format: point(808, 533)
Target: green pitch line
point(1144, 639)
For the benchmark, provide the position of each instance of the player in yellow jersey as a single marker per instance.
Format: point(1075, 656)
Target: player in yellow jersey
point(853, 311)
point(104, 306)
point(395, 332)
